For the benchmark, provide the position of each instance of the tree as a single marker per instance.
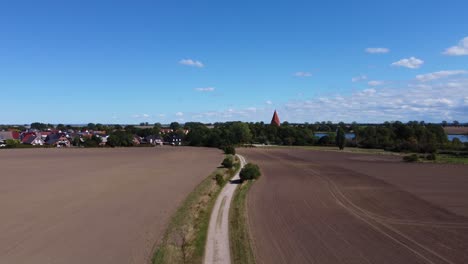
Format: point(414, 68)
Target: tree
point(12, 143)
point(157, 126)
point(76, 141)
point(91, 126)
point(92, 142)
point(120, 139)
point(250, 172)
point(228, 162)
point(229, 150)
point(340, 138)
point(38, 126)
point(240, 133)
point(174, 126)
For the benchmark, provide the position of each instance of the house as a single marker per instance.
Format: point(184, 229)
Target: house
point(58, 140)
point(45, 134)
point(166, 130)
point(4, 135)
point(103, 140)
point(175, 140)
point(154, 140)
point(33, 139)
point(136, 140)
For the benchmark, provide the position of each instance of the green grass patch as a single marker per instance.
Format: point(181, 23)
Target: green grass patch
point(239, 237)
point(441, 158)
point(185, 237)
point(346, 149)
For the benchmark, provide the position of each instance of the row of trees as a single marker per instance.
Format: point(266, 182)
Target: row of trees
point(394, 136)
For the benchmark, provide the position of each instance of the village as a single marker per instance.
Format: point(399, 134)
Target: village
point(76, 137)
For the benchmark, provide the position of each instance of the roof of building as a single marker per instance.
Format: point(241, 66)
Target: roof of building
point(4, 135)
point(275, 121)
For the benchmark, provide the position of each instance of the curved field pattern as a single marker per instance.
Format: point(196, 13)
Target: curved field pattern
point(330, 207)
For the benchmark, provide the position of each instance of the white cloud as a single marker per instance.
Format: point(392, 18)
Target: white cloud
point(458, 50)
point(179, 114)
point(377, 50)
point(302, 74)
point(142, 116)
point(434, 103)
point(205, 89)
point(438, 75)
point(252, 109)
point(359, 78)
point(412, 63)
point(268, 102)
point(190, 62)
point(375, 83)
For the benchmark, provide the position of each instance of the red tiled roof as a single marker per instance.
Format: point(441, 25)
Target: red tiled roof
point(275, 121)
point(26, 138)
point(15, 134)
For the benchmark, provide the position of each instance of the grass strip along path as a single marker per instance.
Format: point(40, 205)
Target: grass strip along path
point(185, 237)
point(217, 247)
point(239, 236)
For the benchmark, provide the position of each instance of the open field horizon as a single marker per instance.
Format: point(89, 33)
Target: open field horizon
point(93, 205)
point(330, 207)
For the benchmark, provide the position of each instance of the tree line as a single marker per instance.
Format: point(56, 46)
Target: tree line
point(394, 136)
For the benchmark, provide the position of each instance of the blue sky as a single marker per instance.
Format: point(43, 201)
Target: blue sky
point(161, 61)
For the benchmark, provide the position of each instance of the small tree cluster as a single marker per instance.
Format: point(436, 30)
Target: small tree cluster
point(12, 143)
point(220, 179)
point(229, 150)
point(228, 162)
point(340, 138)
point(250, 172)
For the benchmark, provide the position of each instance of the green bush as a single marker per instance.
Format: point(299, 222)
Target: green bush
point(250, 172)
point(229, 150)
point(411, 158)
point(220, 179)
point(12, 143)
point(228, 162)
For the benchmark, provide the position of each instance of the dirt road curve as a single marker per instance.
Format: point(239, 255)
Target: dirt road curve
point(328, 207)
point(93, 205)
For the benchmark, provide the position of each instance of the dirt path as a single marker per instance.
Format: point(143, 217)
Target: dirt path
point(217, 243)
point(93, 205)
point(321, 207)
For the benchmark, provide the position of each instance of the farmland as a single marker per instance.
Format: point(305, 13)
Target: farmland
point(329, 207)
point(93, 205)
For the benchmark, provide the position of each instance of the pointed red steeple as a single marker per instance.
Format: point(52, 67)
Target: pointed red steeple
point(275, 121)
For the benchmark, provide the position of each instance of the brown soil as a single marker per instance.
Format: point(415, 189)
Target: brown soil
point(456, 130)
point(93, 205)
point(330, 207)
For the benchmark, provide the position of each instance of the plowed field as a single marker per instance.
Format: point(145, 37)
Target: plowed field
point(93, 205)
point(329, 207)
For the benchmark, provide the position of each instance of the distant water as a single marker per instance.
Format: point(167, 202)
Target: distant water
point(347, 135)
point(463, 138)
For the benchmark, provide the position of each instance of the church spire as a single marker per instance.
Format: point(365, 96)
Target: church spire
point(275, 121)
